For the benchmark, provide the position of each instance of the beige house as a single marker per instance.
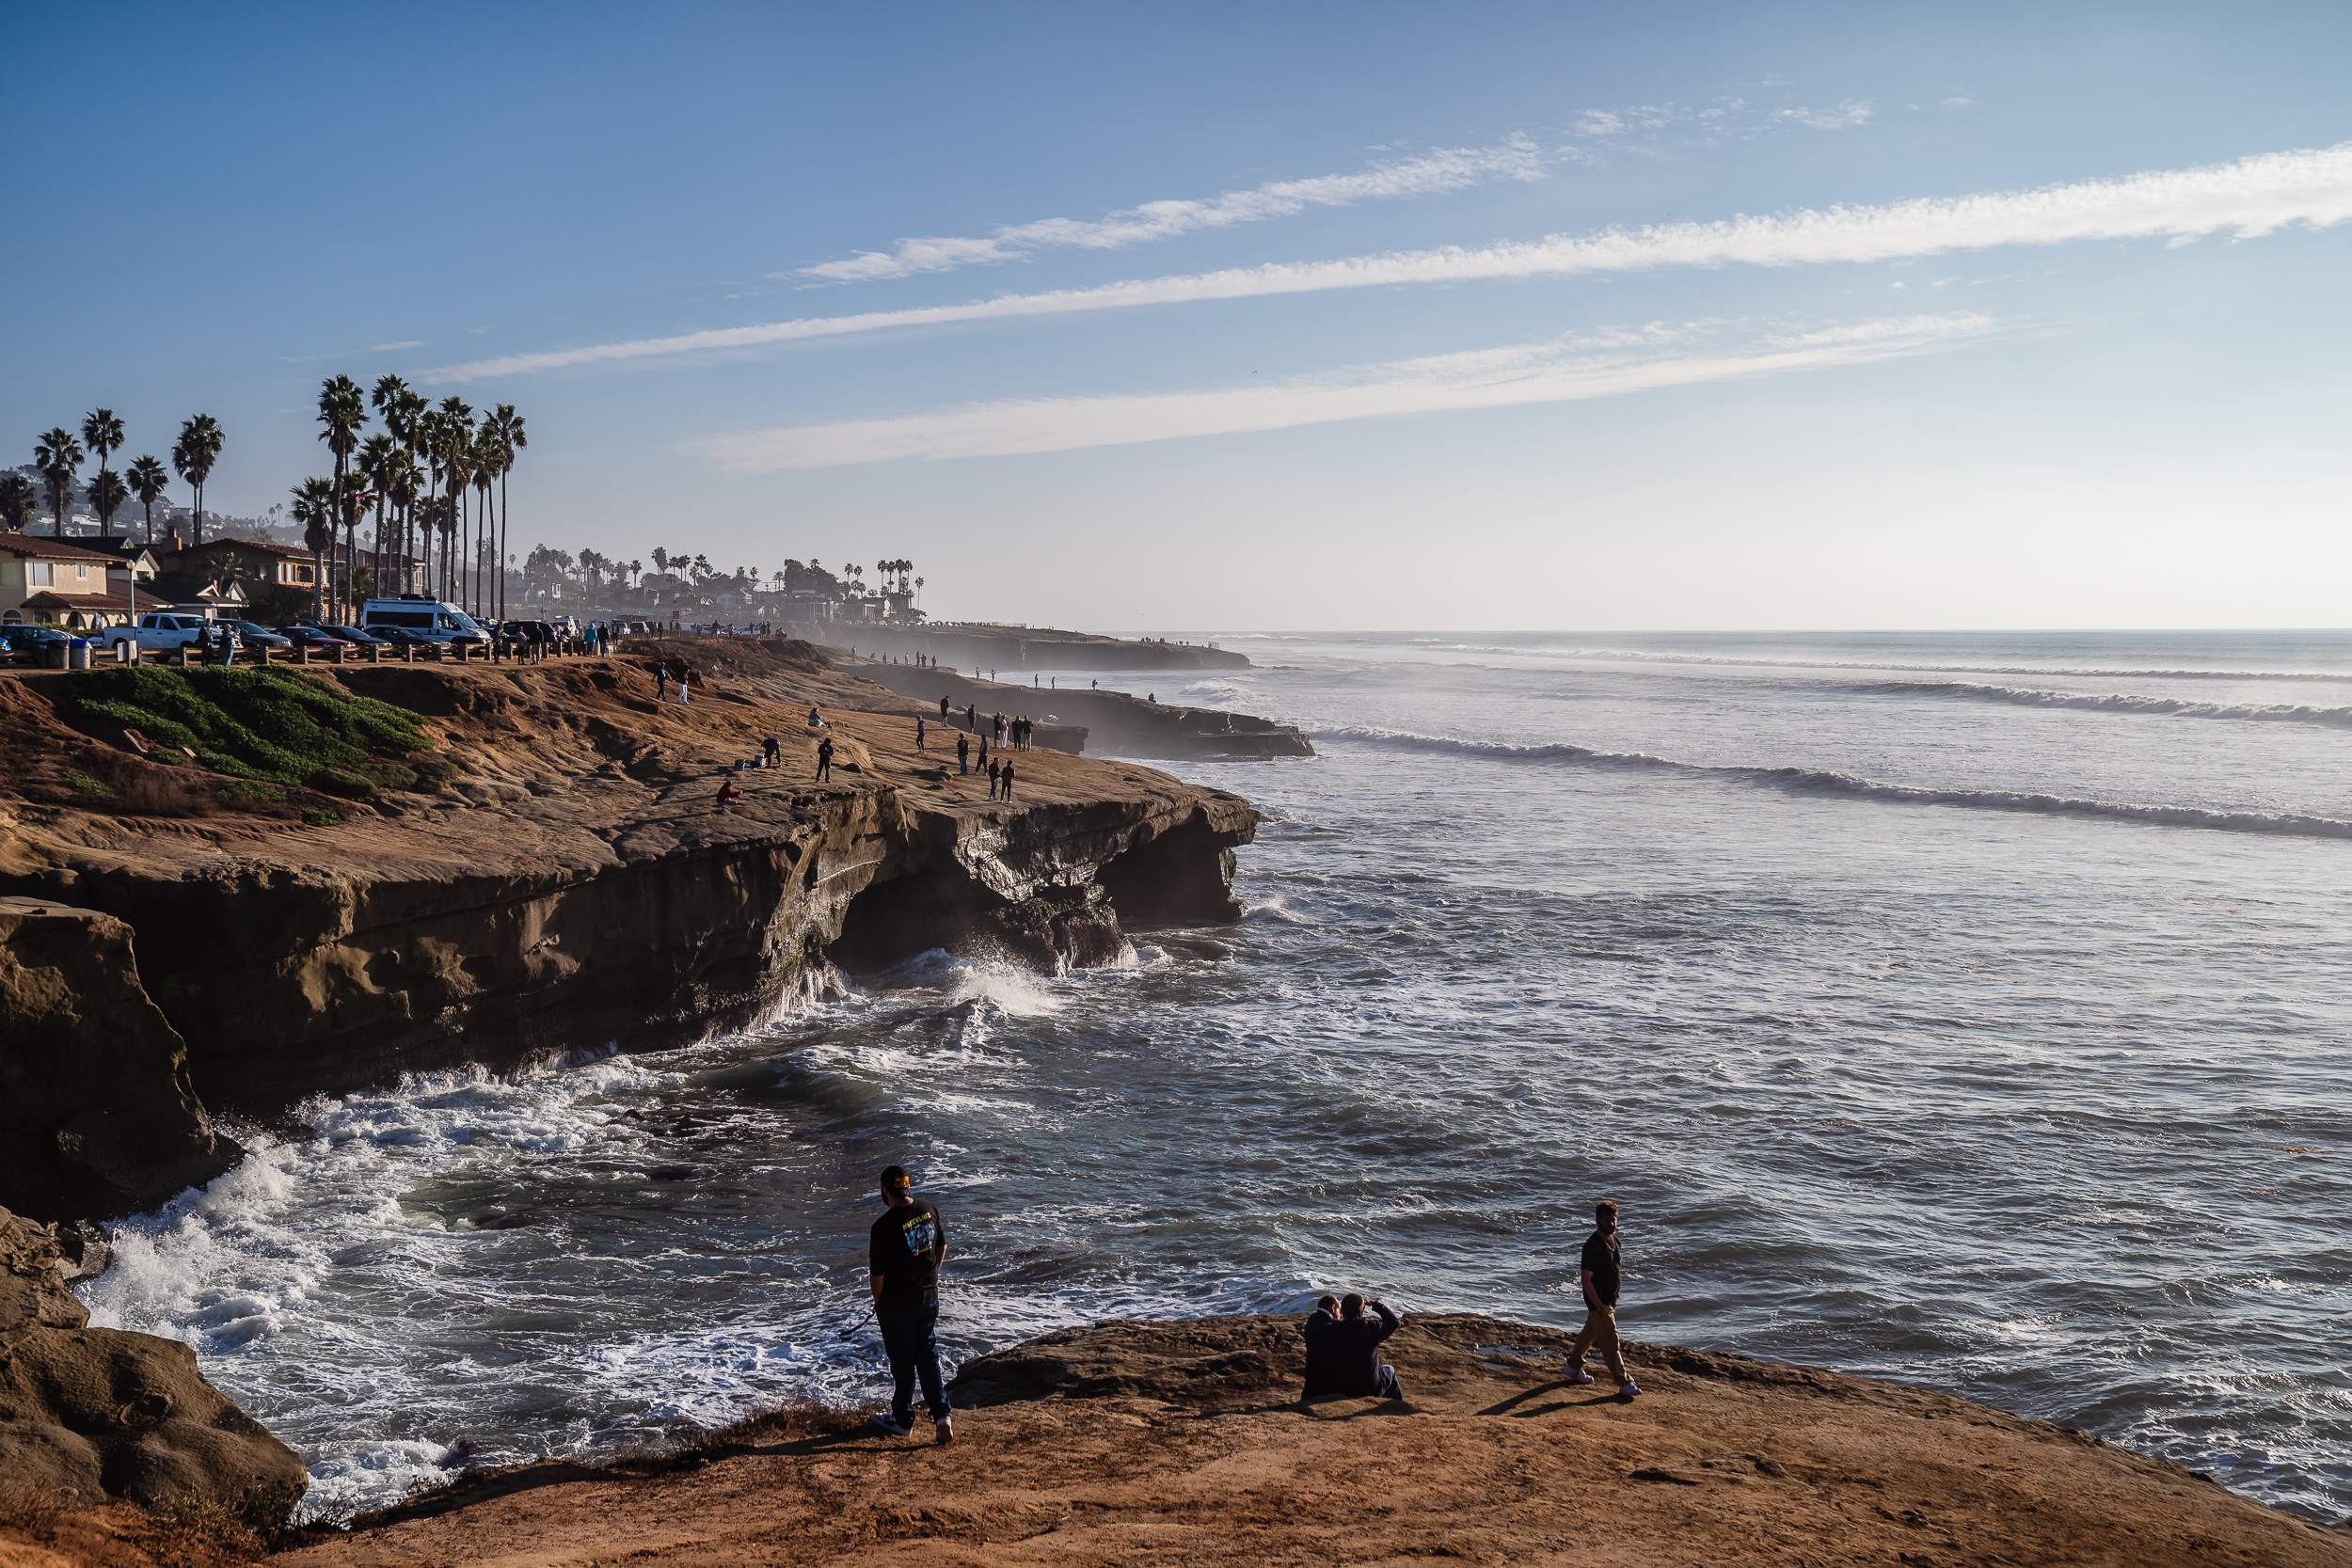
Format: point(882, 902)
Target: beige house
point(49, 581)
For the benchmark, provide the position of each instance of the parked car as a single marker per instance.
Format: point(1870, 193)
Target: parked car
point(438, 620)
point(350, 634)
point(28, 645)
point(255, 636)
point(309, 637)
point(408, 637)
point(164, 629)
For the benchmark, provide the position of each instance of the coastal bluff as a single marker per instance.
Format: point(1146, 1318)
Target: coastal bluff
point(549, 870)
point(1187, 1441)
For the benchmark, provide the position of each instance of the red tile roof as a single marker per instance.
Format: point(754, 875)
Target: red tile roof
point(50, 549)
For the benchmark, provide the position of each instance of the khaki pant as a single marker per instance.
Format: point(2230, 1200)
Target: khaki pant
point(1600, 1333)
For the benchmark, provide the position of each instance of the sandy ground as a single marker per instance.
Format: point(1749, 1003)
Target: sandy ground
point(1155, 1447)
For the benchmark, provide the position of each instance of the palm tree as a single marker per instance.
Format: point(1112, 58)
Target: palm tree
point(103, 432)
point(18, 497)
point(193, 455)
point(399, 485)
point(510, 439)
point(148, 481)
point(378, 455)
point(489, 458)
point(106, 495)
point(660, 559)
point(59, 455)
point(452, 456)
point(315, 508)
point(342, 409)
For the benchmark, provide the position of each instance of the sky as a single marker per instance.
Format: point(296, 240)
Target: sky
point(1210, 317)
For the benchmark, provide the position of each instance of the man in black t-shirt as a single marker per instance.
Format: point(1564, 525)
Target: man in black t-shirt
point(903, 1254)
point(1600, 1269)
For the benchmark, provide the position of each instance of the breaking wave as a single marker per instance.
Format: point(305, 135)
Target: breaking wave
point(1822, 782)
point(2284, 713)
point(1733, 661)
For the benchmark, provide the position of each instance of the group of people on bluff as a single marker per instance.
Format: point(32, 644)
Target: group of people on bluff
point(1002, 776)
point(908, 1244)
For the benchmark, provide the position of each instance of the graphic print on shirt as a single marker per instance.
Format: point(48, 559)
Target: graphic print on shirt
point(920, 1235)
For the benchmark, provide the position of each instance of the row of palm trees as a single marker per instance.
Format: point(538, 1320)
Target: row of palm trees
point(59, 455)
point(414, 476)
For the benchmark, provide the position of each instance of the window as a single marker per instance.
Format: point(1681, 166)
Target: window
point(81, 571)
point(289, 572)
point(37, 574)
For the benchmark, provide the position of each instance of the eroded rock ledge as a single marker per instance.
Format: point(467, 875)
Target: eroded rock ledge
point(1166, 1442)
point(575, 884)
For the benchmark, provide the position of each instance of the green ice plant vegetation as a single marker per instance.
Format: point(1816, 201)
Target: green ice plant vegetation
point(265, 725)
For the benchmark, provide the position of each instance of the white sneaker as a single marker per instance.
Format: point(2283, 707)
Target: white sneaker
point(892, 1425)
point(946, 1427)
point(1578, 1375)
point(1628, 1390)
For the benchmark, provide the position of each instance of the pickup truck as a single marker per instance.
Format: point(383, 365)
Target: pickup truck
point(160, 631)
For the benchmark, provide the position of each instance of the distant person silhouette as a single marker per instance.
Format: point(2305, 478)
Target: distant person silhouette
point(1007, 794)
point(824, 759)
point(993, 769)
point(964, 753)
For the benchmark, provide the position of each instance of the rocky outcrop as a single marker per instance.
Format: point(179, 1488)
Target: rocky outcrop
point(987, 647)
point(1188, 1442)
point(92, 1414)
point(1117, 723)
point(574, 883)
point(97, 1117)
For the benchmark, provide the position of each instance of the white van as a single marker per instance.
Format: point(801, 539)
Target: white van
point(423, 615)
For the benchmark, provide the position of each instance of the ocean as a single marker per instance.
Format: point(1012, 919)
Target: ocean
point(1968, 1011)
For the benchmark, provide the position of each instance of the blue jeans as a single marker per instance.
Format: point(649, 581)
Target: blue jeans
point(910, 1338)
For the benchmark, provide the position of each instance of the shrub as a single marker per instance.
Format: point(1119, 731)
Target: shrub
point(89, 785)
point(318, 818)
point(264, 724)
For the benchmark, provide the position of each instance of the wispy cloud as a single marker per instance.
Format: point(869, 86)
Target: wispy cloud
point(1556, 372)
point(2253, 196)
point(349, 353)
point(1445, 169)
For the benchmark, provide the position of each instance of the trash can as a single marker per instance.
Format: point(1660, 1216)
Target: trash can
point(52, 655)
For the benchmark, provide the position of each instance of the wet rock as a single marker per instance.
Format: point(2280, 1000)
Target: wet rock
point(94, 1414)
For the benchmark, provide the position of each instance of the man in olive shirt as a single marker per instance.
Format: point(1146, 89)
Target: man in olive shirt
point(904, 1251)
point(1600, 1269)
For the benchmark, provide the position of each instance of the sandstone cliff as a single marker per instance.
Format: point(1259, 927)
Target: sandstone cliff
point(573, 883)
point(1114, 722)
point(92, 1414)
point(1188, 1441)
point(96, 1112)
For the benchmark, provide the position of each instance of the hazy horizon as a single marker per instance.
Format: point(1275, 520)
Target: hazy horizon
point(1779, 319)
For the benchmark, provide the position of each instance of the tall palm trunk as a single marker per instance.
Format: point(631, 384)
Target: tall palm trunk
point(504, 515)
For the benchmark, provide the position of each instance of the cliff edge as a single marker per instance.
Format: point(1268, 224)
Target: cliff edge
point(522, 858)
point(1188, 1441)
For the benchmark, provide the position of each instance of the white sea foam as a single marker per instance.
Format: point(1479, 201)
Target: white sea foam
point(1829, 782)
point(2045, 672)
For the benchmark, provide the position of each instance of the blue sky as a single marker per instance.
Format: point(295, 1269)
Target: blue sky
point(1438, 316)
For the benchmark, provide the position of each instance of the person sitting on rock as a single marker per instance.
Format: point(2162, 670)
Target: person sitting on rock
point(816, 719)
point(1343, 1351)
point(728, 794)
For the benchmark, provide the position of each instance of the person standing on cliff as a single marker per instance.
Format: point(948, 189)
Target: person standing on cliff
point(971, 717)
point(993, 769)
point(1602, 1271)
point(964, 753)
point(919, 734)
point(943, 709)
point(1008, 780)
point(904, 1251)
point(824, 759)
